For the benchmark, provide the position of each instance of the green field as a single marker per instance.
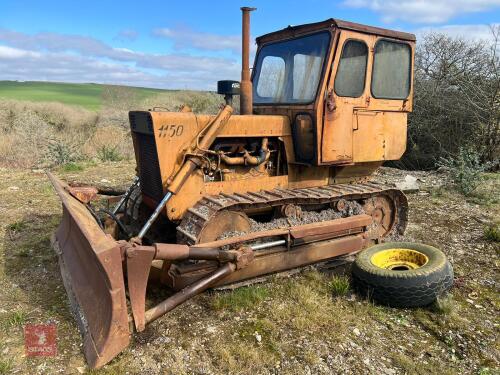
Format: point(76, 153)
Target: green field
point(87, 95)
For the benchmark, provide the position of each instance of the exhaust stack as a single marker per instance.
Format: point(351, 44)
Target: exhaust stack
point(246, 99)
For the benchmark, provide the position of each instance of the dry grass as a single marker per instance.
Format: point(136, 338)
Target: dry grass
point(200, 102)
point(44, 135)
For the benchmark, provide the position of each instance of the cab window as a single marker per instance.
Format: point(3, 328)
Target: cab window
point(391, 70)
point(289, 71)
point(273, 68)
point(351, 73)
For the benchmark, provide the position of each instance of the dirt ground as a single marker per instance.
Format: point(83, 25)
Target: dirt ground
point(290, 325)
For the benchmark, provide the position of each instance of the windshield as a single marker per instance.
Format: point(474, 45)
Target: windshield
point(289, 71)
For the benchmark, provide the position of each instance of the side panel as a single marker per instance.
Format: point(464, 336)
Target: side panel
point(379, 135)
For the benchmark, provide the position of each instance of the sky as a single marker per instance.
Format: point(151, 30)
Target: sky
point(190, 44)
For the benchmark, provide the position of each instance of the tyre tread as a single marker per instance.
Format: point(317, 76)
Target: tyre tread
point(403, 288)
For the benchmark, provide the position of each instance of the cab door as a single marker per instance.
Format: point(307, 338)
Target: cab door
point(346, 93)
point(380, 127)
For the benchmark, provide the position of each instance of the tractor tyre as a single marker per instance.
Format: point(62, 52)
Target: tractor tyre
point(402, 274)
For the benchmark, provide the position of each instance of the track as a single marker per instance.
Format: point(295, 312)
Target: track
point(388, 207)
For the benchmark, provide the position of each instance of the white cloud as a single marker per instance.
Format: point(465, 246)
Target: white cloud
point(187, 38)
point(423, 11)
point(469, 32)
point(63, 67)
point(76, 58)
point(9, 53)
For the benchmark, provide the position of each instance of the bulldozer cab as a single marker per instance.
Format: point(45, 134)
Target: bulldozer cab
point(347, 89)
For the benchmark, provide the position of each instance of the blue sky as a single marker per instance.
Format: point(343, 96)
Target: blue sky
point(190, 44)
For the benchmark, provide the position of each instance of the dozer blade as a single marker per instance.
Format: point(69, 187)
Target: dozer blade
point(91, 267)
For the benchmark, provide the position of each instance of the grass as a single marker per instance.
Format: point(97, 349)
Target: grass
point(108, 153)
point(492, 233)
point(444, 305)
point(87, 95)
point(17, 226)
point(72, 167)
point(16, 318)
point(486, 371)
point(5, 366)
point(78, 123)
point(240, 299)
point(487, 192)
point(339, 285)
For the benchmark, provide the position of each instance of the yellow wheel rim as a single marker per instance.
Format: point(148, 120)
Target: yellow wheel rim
point(399, 259)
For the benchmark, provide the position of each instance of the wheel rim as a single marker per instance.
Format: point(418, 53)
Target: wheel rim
point(399, 259)
point(224, 221)
point(382, 211)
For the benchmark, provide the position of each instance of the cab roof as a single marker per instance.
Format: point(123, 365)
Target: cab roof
point(292, 31)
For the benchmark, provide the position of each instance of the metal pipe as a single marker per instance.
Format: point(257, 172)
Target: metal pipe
point(210, 132)
point(126, 195)
point(263, 156)
point(246, 100)
point(180, 252)
point(248, 159)
point(267, 245)
point(155, 214)
point(190, 291)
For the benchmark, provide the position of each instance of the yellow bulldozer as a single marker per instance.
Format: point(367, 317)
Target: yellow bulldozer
point(220, 199)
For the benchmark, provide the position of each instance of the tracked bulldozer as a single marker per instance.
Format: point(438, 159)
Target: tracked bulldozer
point(222, 199)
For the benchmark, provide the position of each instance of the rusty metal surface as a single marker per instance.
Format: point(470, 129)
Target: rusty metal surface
point(171, 251)
point(188, 292)
point(292, 31)
point(330, 227)
point(223, 221)
point(301, 250)
point(381, 209)
point(139, 260)
point(91, 266)
point(246, 95)
point(271, 261)
point(209, 207)
point(299, 257)
point(84, 194)
point(171, 151)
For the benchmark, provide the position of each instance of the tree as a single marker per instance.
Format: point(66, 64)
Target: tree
point(457, 100)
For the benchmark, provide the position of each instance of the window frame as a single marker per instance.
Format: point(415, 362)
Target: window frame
point(322, 74)
point(366, 68)
point(410, 68)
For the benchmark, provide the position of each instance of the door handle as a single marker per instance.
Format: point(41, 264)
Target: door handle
point(331, 105)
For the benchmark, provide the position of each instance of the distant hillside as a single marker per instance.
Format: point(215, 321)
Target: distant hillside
point(87, 95)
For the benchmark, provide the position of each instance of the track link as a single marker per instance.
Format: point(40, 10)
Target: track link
point(197, 217)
